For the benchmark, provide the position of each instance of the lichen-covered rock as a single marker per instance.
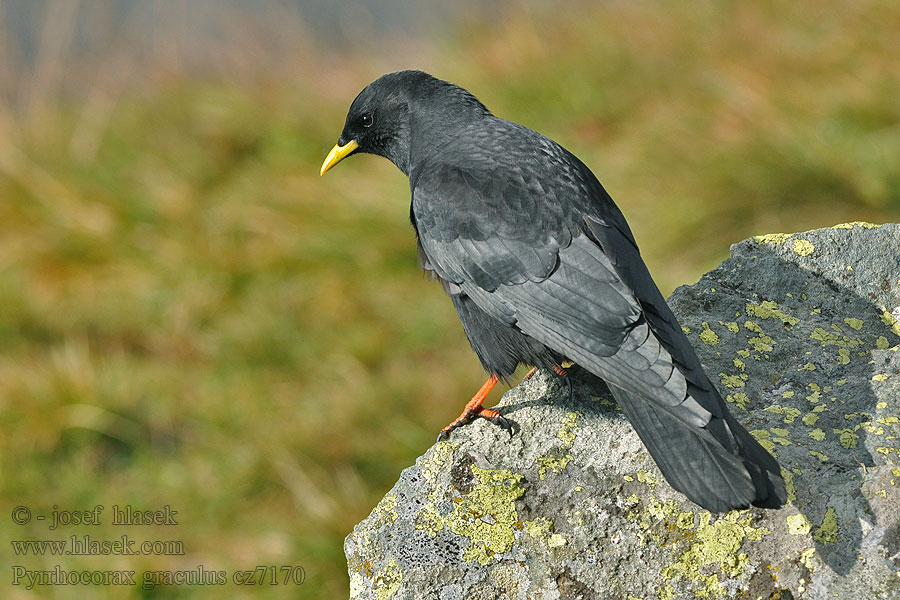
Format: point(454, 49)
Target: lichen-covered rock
point(801, 333)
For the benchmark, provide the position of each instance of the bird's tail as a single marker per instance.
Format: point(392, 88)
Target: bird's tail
point(719, 466)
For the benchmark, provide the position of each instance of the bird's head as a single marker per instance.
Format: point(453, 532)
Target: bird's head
point(380, 119)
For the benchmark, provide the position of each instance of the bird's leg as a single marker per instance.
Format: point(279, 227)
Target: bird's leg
point(474, 409)
point(565, 375)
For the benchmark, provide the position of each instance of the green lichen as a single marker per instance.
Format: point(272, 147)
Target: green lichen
point(827, 532)
point(817, 434)
point(732, 326)
point(708, 336)
point(810, 419)
point(882, 343)
point(769, 310)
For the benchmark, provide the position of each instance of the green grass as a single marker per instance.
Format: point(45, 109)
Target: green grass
point(190, 316)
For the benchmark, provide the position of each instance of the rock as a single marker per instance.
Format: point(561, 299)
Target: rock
point(801, 332)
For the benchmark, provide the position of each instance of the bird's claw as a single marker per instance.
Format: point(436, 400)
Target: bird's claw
point(470, 415)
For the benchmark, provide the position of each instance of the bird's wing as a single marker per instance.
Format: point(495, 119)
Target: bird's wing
point(547, 251)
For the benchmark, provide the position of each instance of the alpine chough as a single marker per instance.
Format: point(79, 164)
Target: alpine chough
point(542, 268)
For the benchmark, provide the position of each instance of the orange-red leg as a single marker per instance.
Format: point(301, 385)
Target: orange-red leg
point(474, 409)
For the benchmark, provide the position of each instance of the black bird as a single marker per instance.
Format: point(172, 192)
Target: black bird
point(542, 268)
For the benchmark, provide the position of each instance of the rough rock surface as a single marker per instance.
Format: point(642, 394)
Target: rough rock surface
point(801, 332)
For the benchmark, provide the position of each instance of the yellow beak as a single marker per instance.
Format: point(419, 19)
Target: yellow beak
point(337, 154)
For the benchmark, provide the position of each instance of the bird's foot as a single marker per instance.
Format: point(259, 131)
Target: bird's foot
point(565, 375)
point(474, 409)
point(468, 416)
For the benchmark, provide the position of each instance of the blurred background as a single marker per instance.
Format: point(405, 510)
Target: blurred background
point(190, 316)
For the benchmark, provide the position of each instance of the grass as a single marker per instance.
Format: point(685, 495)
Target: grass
point(190, 316)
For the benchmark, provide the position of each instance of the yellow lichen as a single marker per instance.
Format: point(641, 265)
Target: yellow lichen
point(556, 464)
point(853, 224)
point(733, 381)
point(843, 356)
point(820, 455)
point(817, 434)
point(739, 398)
point(775, 239)
point(386, 583)
point(708, 336)
point(714, 544)
point(556, 540)
point(768, 309)
point(830, 339)
point(881, 377)
point(440, 455)
point(486, 515)
point(566, 431)
point(539, 528)
point(890, 320)
point(645, 477)
point(798, 524)
point(803, 247)
point(853, 322)
point(848, 437)
point(788, 412)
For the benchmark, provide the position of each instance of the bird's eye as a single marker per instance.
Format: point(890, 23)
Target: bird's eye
point(367, 120)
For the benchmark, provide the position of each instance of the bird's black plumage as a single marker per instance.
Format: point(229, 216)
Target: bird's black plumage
point(542, 267)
